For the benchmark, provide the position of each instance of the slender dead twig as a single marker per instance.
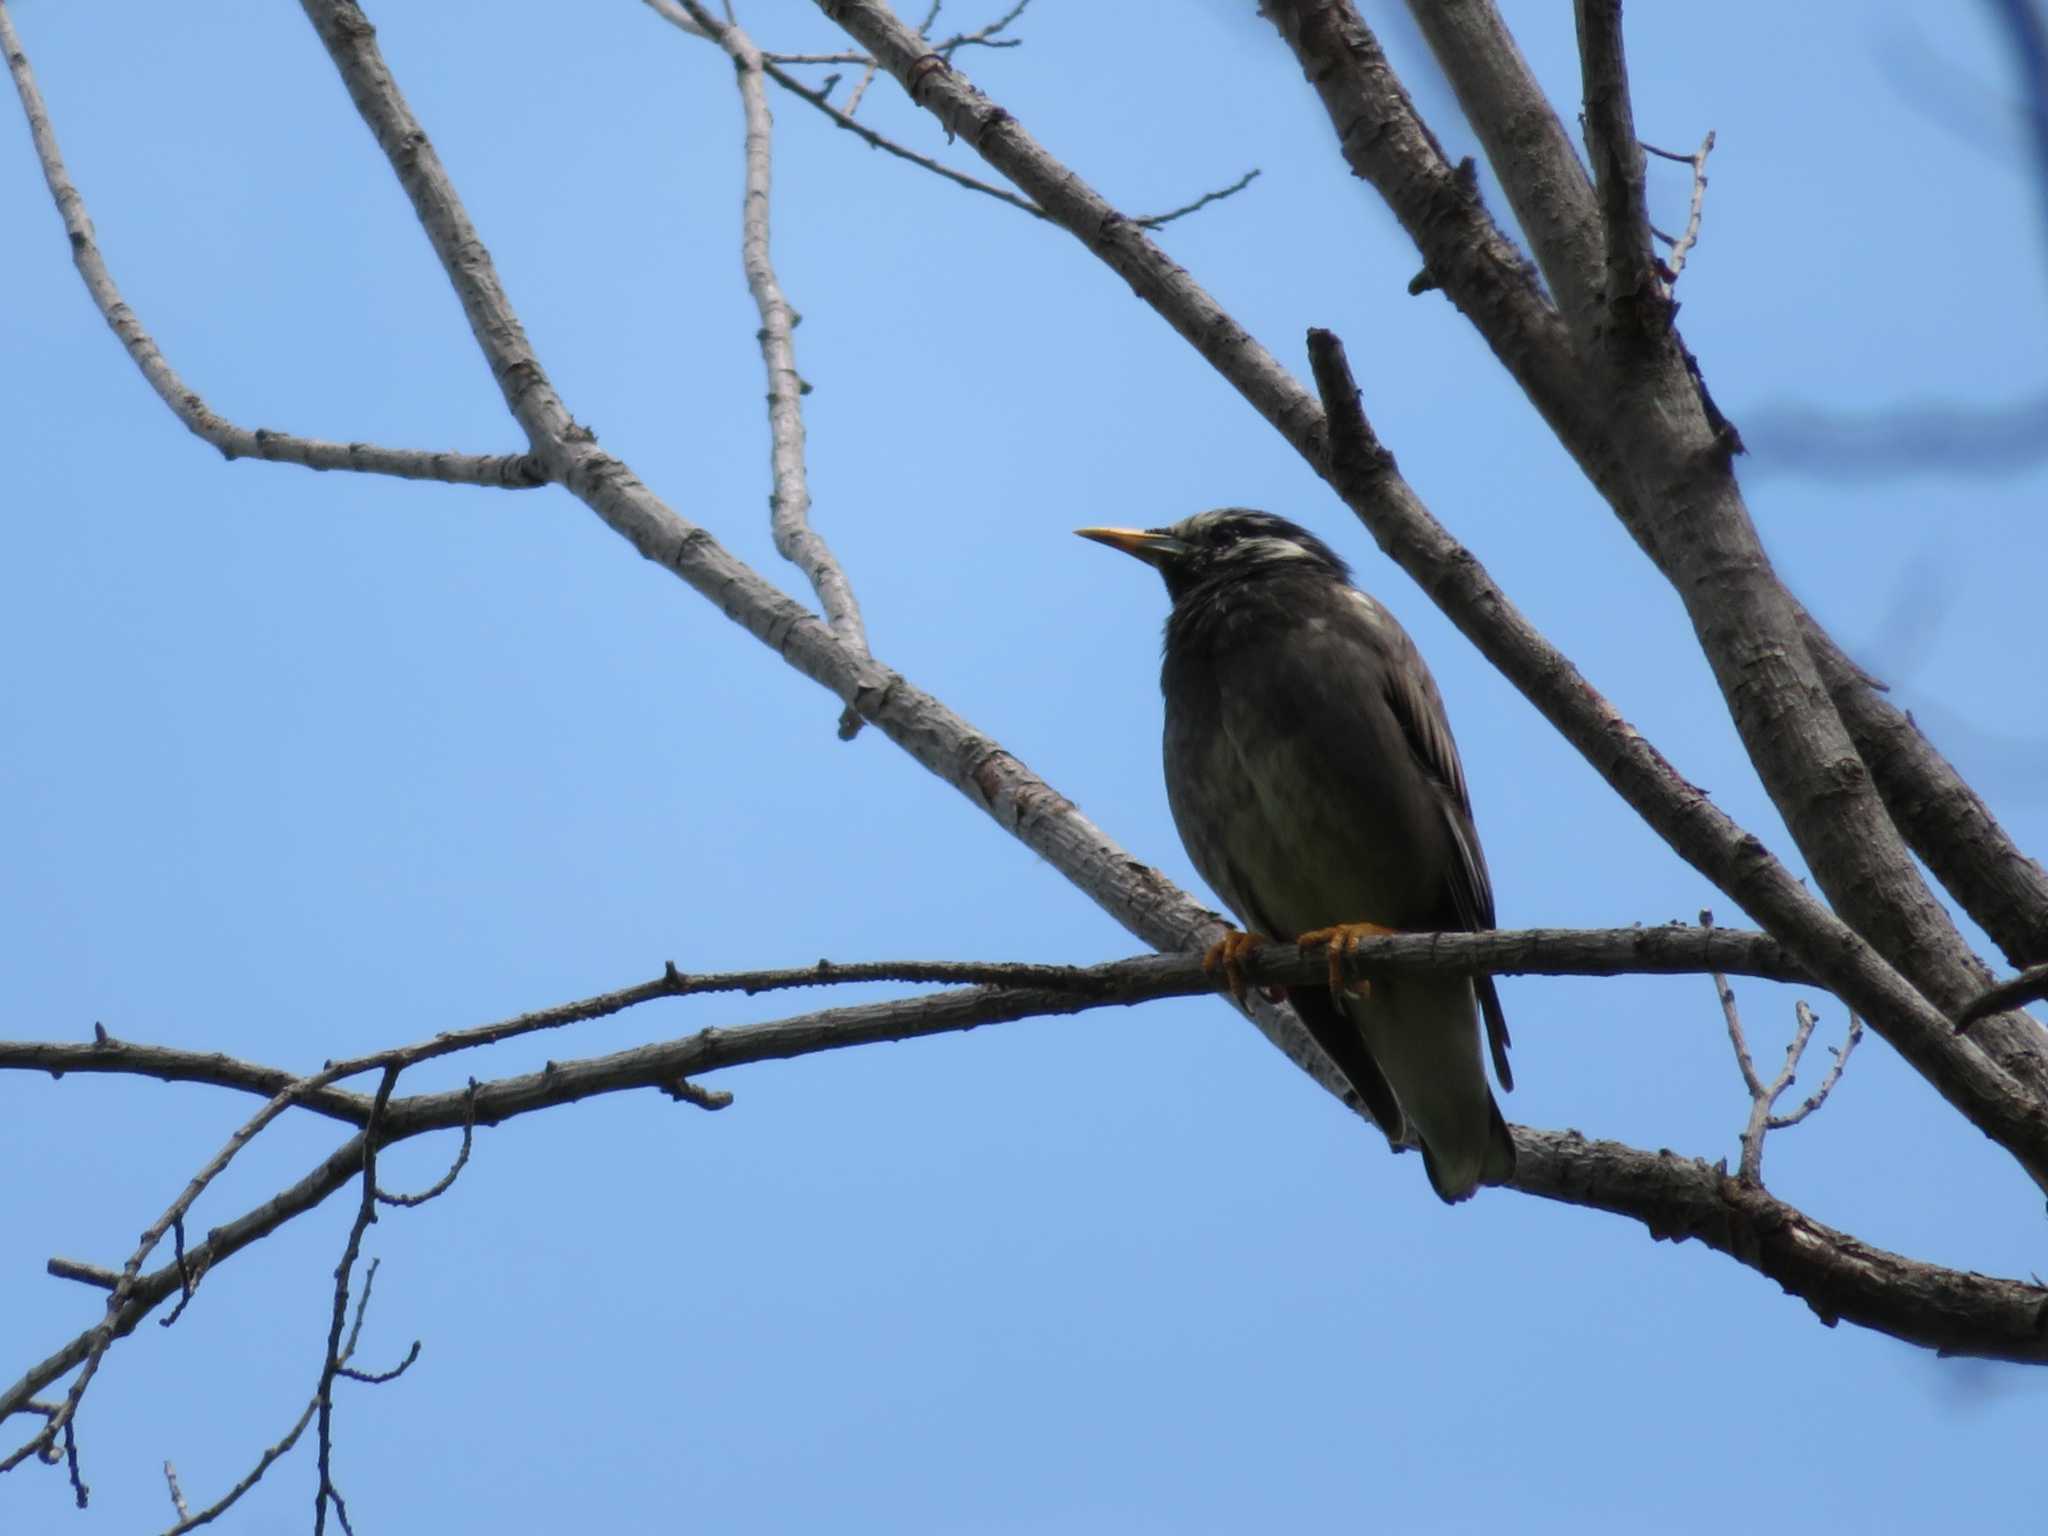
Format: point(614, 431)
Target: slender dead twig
point(1681, 247)
point(503, 471)
point(1832, 1076)
point(446, 1182)
point(177, 1498)
point(983, 37)
point(1763, 1097)
point(672, 12)
point(790, 501)
point(1161, 220)
point(100, 1337)
point(269, 1458)
point(860, 89)
point(272, 1454)
point(336, 1356)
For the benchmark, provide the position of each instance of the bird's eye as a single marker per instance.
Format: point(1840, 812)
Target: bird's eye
point(1226, 536)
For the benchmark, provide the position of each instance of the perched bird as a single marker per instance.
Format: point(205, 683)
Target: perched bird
point(1314, 781)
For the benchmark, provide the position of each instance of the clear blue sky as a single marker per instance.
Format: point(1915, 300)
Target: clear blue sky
point(295, 766)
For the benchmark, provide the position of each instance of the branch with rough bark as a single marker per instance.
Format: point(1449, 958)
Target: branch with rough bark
point(1674, 1197)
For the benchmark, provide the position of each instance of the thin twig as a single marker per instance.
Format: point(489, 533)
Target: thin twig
point(1833, 1076)
point(672, 12)
point(1682, 246)
point(337, 1355)
point(79, 1491)
point(188, 1278)
point(514, 471)
point(683, 1091)
point(102, 1335)
point(790, 501)
point(264, 1463)
point(1763, 1097)
point(1160, 220)
point(177, 1497)
point(860, 89)
point(442, 1185)
point(984, 37)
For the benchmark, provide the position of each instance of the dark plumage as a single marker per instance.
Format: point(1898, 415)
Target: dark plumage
point(1314, 781)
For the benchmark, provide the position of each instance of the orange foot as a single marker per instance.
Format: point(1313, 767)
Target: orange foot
point(1228, 955)
point(1342, 939)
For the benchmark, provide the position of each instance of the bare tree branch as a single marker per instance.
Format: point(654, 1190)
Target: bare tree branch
point(1952, 1311)
point(1943, 818)
point(337, 1353)
point(1674, 1197)
point(1160, 220)
point(1637, 304)
point(503, 471)
point(227, 1501)
point(673, 12)
point(2030, 986)
point(1682, 245)
point(1661, 950)
point(790, 502)
point(985, 37)
point(1763, 1097)
point(117, 1319)
point(1540, 171)
point(1813, 1101)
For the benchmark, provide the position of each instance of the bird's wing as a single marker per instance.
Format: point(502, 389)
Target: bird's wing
point(1419, 709)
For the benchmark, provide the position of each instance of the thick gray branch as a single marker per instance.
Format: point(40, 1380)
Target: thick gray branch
point(1954, 1312)
point(1526, 145)
point(1638, 305)
point(1944, 819)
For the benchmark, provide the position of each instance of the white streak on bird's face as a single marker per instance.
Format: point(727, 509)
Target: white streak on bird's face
point(1235, 542)
point(1269, 547)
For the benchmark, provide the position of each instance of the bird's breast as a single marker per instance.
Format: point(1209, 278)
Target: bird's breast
point(1293, 787)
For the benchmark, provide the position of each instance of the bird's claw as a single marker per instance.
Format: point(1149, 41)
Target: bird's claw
point(1341, 941)
point(1228, 955)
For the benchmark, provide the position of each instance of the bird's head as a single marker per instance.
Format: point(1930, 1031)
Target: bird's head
point(1229, 544)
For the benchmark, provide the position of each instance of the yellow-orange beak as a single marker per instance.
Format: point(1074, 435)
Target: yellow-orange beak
point(1155, 549)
